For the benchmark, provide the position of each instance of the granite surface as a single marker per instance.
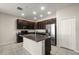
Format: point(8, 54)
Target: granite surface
point(36, 37)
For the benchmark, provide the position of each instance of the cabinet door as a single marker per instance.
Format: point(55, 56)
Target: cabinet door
point(31, 25)
point(47, 46)
point(40, 25)
point(28, 25)
point(37, 25)
point(19, 24)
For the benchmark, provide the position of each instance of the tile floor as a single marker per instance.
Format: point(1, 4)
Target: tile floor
point(13, 49)
point(17, 49)
point(62, 51)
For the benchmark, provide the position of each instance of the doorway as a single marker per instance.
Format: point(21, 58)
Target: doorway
point(68, 33)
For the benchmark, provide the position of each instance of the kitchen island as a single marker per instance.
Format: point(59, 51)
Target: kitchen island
point(34, 43)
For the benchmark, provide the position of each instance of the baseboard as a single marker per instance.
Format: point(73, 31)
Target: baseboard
point(73, 50)
point(76, 51)
point(4, 44)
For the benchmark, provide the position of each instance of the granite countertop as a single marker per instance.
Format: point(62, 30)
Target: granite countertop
point(36, 37)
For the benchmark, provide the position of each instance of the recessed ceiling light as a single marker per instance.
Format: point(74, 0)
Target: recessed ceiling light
point(42, 8)
point(34, 12)
point(48, 12)
point(35, 17)
point(41, 15)
point(22, 14)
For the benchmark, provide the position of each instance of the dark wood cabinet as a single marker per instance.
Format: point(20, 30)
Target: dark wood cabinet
point(23, 24)
point(40, 25)
point(19, 38)
point(47, 46)
point(19, 24)
point(51, 21)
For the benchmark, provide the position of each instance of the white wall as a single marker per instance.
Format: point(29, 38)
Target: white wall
point(68, 12)
point(7, 29)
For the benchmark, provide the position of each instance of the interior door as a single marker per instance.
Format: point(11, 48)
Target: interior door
point(68, 33)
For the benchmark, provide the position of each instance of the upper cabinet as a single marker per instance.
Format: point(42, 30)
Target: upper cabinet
point(40, 25)
point(23, 24)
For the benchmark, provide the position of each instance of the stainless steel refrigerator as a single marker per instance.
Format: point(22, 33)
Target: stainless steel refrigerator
point(50, 30)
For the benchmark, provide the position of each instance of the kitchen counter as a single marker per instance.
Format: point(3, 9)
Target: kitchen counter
point(34, 44)
point(35, 37)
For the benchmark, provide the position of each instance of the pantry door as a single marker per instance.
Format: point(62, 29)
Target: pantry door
point(68, 33)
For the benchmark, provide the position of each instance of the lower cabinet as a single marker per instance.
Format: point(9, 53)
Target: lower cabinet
point(47, 46)
point(19, 39)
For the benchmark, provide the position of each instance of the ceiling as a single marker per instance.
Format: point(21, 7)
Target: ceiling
point(28, 8)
